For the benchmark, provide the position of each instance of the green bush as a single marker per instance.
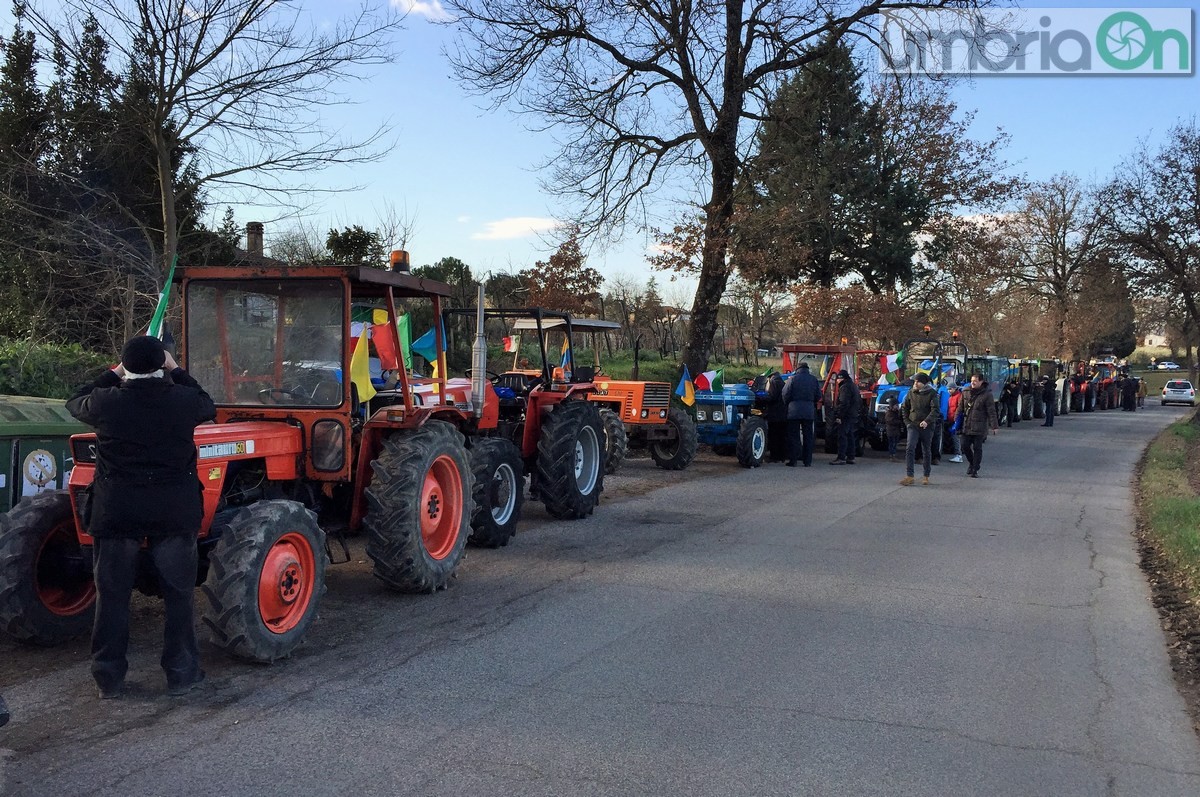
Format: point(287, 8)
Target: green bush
point(46, 369)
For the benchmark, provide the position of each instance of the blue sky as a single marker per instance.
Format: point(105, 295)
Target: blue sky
point(468, 175)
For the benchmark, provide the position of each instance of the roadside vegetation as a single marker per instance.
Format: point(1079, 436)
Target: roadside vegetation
point(1168, 496)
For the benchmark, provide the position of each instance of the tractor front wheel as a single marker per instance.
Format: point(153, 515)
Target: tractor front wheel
point(679, 451)
point(419, 508)
point(265, 580)
point(570, 460)
point(752, 442)
point(616, 440)
point(499, 488)
point(47, 594)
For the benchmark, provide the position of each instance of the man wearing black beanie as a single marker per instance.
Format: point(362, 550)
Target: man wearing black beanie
point(145, 412)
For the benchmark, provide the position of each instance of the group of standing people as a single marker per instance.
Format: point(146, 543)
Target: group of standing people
point(792, 413)
point(923, 416)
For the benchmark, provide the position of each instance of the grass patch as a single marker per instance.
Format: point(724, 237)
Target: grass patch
point(1169, 501)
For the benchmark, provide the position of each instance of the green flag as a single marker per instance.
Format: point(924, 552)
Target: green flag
point(405, 341)
point(156, 321)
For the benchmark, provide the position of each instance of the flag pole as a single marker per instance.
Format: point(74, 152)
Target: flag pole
point(160, 311)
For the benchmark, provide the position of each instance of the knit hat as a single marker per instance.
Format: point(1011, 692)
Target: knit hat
point(843, 374)
point(143, 355)
point(922, 378)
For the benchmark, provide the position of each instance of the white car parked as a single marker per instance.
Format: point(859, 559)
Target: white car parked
point(1167, 365)
point(1179, 391)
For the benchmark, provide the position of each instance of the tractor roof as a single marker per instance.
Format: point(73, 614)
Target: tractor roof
point(402, 283)
point(581, 324)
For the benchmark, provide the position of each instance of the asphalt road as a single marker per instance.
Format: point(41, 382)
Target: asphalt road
point(780, 631)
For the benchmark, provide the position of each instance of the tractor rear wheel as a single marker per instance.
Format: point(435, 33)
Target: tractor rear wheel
point(570, 461)
point(616, 440)
point(499, 486)
point(419, 508)
point(752, 442)
point(678, 452)
point(266, 576)
point(47, 594)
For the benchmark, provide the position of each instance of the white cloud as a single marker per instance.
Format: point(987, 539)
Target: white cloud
point(519, 227)
point(430, 9)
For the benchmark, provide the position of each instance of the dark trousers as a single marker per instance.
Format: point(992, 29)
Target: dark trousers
point(800, 440)
point(777, 441)
point(1049, 414)
point(115, 563)
point(847, 432)
point(1011, 412)
point(973, 449)
point(923, 438)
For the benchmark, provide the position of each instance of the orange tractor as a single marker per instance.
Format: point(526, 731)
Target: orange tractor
point(295, 442)
point(636, 414)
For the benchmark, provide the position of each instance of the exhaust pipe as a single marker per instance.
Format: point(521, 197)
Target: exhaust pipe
point(478, 359)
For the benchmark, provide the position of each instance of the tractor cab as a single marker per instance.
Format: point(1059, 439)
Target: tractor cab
point(304, 442)
point(636, 414)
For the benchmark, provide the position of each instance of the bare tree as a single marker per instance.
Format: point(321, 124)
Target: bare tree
point(1152, 211)
point(1055, 238)
point(655, 94)
point(239, 81)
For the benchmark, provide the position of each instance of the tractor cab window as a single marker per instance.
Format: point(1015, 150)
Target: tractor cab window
point(818, 364)
point(268, 341)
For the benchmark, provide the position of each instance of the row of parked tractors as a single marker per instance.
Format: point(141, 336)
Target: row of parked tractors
point(303, 452)
point(301, 447)
point(733, 421)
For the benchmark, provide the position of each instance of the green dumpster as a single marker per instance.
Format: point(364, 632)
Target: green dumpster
point(35, 452)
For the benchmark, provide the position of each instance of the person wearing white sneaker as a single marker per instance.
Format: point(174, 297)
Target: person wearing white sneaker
point(955, 423)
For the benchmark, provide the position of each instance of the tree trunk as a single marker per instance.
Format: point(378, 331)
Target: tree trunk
point(714, 277)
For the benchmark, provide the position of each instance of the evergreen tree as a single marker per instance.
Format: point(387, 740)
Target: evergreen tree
point(824, 197)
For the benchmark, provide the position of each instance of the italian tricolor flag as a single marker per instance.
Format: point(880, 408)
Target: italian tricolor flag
point(710, 380)
point(889, 367)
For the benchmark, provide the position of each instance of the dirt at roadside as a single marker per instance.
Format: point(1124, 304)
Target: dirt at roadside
point(1178, 610)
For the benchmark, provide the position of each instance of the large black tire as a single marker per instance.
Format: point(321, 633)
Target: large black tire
point(47, 595)
point(678, 452)
point(752, 442)
point(419, 508)
point(616, 440)
point(570, 460)
point(831, 440)
point(499, 490)
point(266, 576)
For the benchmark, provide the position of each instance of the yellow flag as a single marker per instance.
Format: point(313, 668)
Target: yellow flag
point(360, 368)
point(379, 316)
point(434, 373)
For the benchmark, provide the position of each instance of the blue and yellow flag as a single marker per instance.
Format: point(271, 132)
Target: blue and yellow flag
point(686, 391)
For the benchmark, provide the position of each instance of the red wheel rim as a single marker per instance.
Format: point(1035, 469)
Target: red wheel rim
point(441, 507)
point(285, 585)
point(59, 577)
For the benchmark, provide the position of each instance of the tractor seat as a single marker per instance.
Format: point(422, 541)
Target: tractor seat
point(517, 383)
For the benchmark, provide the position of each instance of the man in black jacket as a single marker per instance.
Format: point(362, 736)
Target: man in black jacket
point(846, 410)
point(802, 393)
point(145, 412)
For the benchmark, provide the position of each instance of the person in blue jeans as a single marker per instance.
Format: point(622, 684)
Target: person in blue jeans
point(921, 414)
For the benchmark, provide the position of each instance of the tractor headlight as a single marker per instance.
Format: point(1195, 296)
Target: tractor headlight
point(701, 415)
point(645, 413)
point(718, 415)
point(662, 413)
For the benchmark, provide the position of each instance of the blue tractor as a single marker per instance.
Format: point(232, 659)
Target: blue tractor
point(732, 424)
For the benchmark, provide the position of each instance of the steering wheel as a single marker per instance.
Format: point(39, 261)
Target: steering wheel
point(274, 394)
point(491, 375)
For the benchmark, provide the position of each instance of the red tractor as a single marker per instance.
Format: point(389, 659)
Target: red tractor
point(295, 446)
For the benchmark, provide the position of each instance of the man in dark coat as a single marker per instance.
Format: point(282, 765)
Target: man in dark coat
point(1129, 394)
point(802, 394)
point(846, 413)
point(145, 412)
point(776, 414)
point(976, 417)
point(921, 414)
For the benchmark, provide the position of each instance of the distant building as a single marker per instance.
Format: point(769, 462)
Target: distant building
point(1155, 340)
